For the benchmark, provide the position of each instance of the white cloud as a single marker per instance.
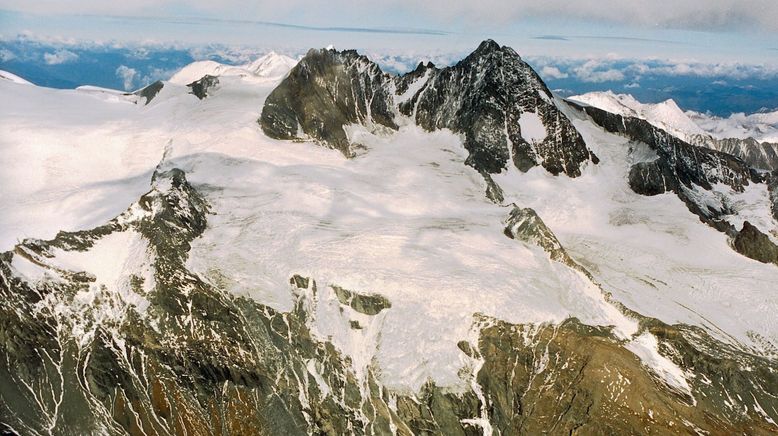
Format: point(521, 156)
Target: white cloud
point(596, 71)
point(633, 70)
point(128, 75)
point(6, 55)
point(61, 56)
point(550, 72)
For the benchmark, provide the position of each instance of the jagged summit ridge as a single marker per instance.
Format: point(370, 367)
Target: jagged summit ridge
point(499, 105)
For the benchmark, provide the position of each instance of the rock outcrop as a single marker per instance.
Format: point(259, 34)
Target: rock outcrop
point(202, 86)
point(751, 242)
point(149, 92)
point(759, 155)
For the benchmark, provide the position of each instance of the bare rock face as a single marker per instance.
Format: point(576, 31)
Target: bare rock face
point(751, 242)
point(576, 379)
point(525, 225)
point(482, 97)
point(650, 178)
point(368, 304)
point(324, 92)
point(772, 187)
point(151, 91)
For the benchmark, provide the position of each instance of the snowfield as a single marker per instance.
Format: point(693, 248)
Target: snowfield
point(406, 219)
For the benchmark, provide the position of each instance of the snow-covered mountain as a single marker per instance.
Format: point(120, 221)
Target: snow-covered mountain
point(268, 68)
point(323, 248)
point(665, 115)
point(5, 75)
point(753, 138)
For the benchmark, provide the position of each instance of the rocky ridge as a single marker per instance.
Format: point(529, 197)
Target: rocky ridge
point(758, 155)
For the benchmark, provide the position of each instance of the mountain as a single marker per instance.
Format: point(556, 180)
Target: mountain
point(270, 67)
point(752, 138)
point(492, 97)
point(336, 250)
point(665, 115)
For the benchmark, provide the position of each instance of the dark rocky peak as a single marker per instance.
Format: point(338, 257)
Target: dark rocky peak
point(487, 46)
point(404, 82)
point(326, 91)
point(485, 97)
point(202, 87)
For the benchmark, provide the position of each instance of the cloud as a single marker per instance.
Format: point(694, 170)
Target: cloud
point(595, 71)
point(549, 72)
point(552, 38)
point(6, 55)
point(686, 14)
point(128, 75)
point(607, 69)
point(61, 56)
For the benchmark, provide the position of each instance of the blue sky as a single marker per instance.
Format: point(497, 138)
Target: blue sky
point(718, 55)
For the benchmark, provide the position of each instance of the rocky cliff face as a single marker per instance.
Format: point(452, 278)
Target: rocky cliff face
point(488, 98)
point(325, 92)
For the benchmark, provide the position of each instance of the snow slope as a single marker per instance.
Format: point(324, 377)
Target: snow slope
point(5, 75)
point(406, 219)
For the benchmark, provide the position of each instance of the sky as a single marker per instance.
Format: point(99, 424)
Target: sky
point(693, 46)
point(707, 30)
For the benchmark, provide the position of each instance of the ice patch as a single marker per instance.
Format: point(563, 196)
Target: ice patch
point(532, 128)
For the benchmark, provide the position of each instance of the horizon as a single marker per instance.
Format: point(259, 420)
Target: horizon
point(689, 56)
